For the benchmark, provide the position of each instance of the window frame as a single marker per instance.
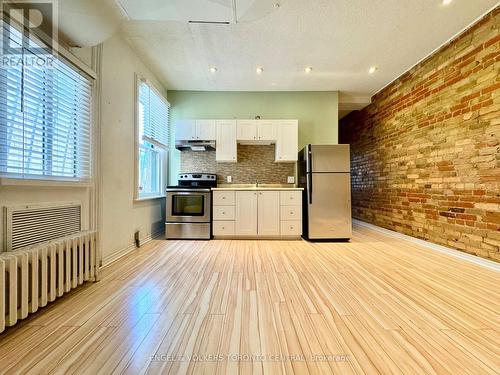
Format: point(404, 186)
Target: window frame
point(65, 57)
point(164, 151)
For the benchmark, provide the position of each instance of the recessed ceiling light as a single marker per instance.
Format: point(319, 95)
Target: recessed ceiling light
point(259, 70)
point(447, 2)
point(308, 69)
point(372, 69)
point(212, 69)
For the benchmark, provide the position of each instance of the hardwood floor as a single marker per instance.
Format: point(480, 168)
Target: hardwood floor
point(375, 305)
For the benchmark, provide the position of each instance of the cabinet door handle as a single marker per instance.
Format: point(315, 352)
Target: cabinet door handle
point(223, 228)
point(223, 212)
point(223, 197)
point(291, 212)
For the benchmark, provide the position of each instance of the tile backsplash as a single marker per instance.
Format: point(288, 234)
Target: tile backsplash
point(255, 162)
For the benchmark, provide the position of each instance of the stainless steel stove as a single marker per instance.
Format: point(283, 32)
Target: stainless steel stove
point(189, 207)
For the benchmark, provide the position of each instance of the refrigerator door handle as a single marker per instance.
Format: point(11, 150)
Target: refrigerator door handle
point(309, 159)
point(309, 175)
point(309, 187)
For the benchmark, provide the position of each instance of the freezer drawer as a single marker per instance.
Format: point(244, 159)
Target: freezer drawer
point(329, 206)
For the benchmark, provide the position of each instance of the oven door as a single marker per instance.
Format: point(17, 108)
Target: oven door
point(188, 207)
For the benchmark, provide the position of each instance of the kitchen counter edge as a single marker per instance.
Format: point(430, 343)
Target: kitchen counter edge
point(258, 189)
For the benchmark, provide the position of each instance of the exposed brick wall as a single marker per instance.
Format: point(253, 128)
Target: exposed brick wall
point(426, 153)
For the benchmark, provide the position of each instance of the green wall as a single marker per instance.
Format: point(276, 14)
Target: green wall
point(317, 112)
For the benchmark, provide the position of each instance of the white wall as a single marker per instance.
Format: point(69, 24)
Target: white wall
point(121, 216)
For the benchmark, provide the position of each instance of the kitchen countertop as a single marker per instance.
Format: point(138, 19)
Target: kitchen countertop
point(256, 187)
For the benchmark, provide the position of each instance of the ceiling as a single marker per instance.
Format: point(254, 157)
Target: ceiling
point(339, 39)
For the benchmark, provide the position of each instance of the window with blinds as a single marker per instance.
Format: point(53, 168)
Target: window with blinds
point(45, 118)
point(153, 133)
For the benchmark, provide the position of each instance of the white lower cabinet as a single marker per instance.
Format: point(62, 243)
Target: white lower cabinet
point(291, 212)
point(291, 198)
point(223, 228)
point(291, 228)
point(223, 213)
point(246, 213)
point(268, 213)
point(257, 213)
point(223, 198)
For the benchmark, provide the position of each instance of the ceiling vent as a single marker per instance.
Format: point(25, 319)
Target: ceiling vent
point(215, 12)
point(211, 22)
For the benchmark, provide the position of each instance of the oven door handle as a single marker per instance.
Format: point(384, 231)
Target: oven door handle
point(194, 191)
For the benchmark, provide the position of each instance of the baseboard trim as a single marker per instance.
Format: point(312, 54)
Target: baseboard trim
point(106, 261)
point(432, 246)
point(271, 238)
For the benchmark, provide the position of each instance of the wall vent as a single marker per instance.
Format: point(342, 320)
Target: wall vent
point(33, 224)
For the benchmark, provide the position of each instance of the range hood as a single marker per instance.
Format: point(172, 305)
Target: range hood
point(197, 145)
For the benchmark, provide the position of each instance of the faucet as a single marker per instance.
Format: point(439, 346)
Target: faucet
point(256, 183)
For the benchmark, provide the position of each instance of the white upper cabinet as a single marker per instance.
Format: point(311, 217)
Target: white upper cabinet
point(226, 141)
point(228, 132)
point(246, 130)
point(266, 130)
point(185, 129)
point(287, 143)
point(205, 130)
point(253, 131)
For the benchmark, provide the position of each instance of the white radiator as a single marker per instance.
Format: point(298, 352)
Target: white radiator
point(33, 276)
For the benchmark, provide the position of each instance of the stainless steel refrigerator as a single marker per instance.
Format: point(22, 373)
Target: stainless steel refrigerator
point(324, 173)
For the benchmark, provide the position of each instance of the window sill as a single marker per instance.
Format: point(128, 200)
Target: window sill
point(5, 181)
point(142, 199)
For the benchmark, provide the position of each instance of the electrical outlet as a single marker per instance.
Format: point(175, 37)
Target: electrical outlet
point(229, 179)
point(291, 179)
